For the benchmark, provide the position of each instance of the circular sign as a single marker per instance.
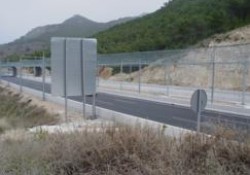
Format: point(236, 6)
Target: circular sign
point(199, 100)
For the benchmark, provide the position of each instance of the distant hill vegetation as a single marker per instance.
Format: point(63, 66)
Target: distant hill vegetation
point(179, 24)
point(39, 38)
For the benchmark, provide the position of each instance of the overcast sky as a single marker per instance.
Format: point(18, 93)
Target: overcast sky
point(17, 17)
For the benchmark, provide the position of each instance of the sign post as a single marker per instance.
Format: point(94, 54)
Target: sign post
point(139, 78)
point(198, 104)
point(43, 74)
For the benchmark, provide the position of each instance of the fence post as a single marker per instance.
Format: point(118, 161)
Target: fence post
point(121, 71)
point(244, 78)
point(0, 71)
point(213, 74)
point(43, 73)
point(94, 105)
point(139, 77)
point(7, 62)
point(98, 75)
point(167, 79)
point(20, 76)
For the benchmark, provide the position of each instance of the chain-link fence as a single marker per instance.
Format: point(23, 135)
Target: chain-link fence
point(223, 71)
point(171, 76)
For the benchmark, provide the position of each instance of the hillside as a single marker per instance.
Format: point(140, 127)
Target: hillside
point(39, 38)
point(179, 24)
point(227, 76)
point(237, 36)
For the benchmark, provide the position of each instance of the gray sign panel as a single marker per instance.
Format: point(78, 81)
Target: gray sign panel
point(90, 63)
point(57, 65)
point(73, 66)
point(80, 59)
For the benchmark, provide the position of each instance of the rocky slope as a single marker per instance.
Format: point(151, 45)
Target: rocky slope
point(237, 36)
point(231, 51)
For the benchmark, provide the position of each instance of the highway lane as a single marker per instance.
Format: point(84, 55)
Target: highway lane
point(228, 96)
point(166, 113)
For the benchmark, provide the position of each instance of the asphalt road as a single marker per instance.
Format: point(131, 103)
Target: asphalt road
point(161, 112)
point(228, 96)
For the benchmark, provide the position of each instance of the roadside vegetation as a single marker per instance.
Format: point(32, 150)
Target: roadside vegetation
point(19, 113)
point(125, 150)
point(112, 150)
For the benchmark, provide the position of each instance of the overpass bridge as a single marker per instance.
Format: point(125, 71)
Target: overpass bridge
point(121, 60)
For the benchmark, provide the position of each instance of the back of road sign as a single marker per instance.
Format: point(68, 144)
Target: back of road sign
point(73, 65)
point(58, 59)
point(199, 100)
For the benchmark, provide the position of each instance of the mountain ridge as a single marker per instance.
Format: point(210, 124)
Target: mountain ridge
point(39, 38)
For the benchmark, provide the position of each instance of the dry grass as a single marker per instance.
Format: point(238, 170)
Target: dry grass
point(17, 112)
point(127, 151)
point(115, 150)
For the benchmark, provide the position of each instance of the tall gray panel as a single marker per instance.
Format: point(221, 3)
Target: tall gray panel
point(80, 56)
point(73, 66)
point(57, 65)
point(90, 61)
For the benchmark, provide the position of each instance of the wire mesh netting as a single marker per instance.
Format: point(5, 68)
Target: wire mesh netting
point(169, 75)
point(223, 71)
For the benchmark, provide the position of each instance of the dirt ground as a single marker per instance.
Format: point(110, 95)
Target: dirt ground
point(75, 121)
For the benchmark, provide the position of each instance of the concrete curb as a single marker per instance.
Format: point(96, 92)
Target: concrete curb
point(107, 114)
